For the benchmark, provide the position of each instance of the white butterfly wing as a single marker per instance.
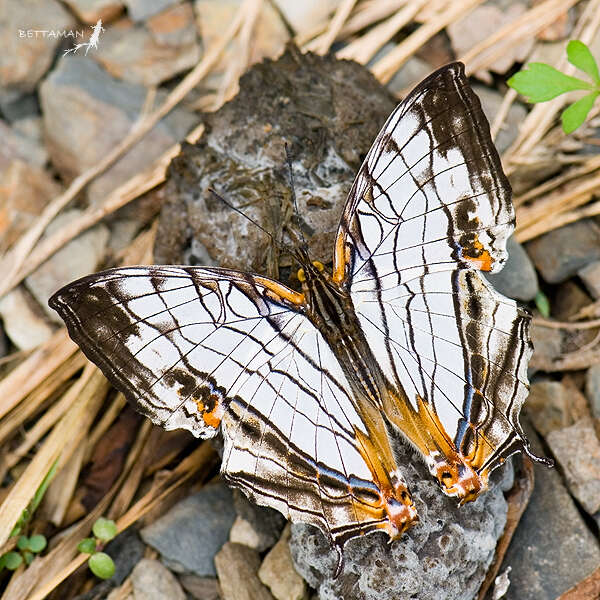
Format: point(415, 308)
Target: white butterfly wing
point(203, 349)
point(430, 207)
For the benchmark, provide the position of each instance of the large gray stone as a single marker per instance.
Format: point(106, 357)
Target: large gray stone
point(518, 278)
point(552, 549)
point(151, 580)
point(30, 32)
point(151, 52)
point(87, 113)
point(560, 253)
point(491, 101)
point(237, 566)
point(194, 530)
point(577, 451)
point(77, 258)
point(446, 555)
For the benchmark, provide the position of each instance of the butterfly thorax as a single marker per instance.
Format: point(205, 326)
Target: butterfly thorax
point(329, 307)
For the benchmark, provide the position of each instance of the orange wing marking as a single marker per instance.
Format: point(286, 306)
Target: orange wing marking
point(279, 292)
point(482, 259)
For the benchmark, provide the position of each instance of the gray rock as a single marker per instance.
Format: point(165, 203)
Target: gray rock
point(518, 278)
point(277, 572)
point(237, 566)
point(552, 549)
point(29, 35)
point(18, 106)
point(257, 526)
point(25, 191)
point(547, 346)
point(548, 406)
point(126, 550)
point(151, 52)
point(153, 581)
point(87, 112)
point(491, 100)
point(75, 259)
point(482, 22)
point(89, 11)
point(577, 450)
point(193, 531)
point(16, 145)
point(562, 252)
point(590, 275)
point(139, 10)
point(592, 389)
point(25, 323)
point(200, 588)
point(445, 555)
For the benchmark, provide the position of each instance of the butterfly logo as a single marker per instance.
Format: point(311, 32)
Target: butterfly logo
point(403, 334)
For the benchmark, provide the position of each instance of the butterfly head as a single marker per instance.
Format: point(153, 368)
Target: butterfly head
point(314, 268)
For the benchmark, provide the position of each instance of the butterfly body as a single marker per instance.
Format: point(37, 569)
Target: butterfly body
point(308, 386)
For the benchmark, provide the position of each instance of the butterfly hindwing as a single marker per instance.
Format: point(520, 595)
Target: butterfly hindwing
point(203, 349)
point(429, 209)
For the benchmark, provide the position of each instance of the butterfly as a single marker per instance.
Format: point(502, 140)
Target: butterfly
point(404, 334)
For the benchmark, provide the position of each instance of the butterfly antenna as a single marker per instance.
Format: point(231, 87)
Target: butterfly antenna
point(288, 159)
point(279, 244)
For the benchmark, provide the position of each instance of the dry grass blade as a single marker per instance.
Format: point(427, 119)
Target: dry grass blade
point(365, 47)
point(589, 166)
point(33, 403)
point(130, 190)
point(339, 18)
point(33, 371)
point(566, 324)
point(190, 466)
point(385, 68)
point(61, 443)
point(485, 53)
point(517, 499)
point(365, 14)
point(13, 261)
point(502, 113)
point(239, 62)
point(546, 214)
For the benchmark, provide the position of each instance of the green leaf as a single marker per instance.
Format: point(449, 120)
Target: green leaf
point(543, 304)
point(35, 501)
point(37, 542)
point(23, 542)
point(573, 116)
point(87, 546)
point(12, 560)
point(28, 557)
point(102, 565)
point(542, 83)
point(579, 55)
point(104, 529)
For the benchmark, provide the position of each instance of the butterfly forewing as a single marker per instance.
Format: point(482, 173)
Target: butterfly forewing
point(430, 207)
point(200, 349)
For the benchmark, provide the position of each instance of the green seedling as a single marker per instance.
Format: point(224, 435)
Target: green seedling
point(541, 82)
point(100, 563)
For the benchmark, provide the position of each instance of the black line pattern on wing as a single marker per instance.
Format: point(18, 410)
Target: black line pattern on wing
point(377, 265)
